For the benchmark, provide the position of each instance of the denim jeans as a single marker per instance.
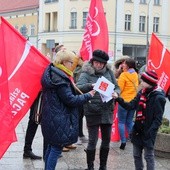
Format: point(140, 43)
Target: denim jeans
point(125, 118)
point(51, 156)
point(148, 155)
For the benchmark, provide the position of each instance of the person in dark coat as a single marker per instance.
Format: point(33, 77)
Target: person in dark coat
point(149, 105)
point(98, 114)
point(31, 130)
point(60, 103)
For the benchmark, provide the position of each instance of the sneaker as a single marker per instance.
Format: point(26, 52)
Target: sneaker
point(79, 142)
point(83, 139)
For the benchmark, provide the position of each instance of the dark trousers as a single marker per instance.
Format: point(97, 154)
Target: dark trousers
point(81, 125)
point(30, 133)
point(32, 126)
point(93, 136)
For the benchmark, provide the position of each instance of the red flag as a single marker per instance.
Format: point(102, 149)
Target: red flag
point(158, 60)
point(21, 68)
point(96, 31)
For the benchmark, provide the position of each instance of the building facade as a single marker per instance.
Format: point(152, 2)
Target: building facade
point(23, 15)
point(130, 24)
point(47, 23)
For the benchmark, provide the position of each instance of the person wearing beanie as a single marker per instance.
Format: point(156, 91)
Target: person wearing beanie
point(60, 103)
point(98, 114)
point(149, 105)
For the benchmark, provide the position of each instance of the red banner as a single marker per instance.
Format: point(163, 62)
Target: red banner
point(158, 60)
point(21, 68)
point(96, 31)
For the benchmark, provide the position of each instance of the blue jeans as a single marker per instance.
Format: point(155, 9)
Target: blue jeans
point(125, 118)
point(148, 155)
point(51, 156)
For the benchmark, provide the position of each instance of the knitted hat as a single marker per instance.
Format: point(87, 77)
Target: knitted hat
point(150, 77)
point(101, 56)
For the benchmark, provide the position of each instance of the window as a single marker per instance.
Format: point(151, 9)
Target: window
point(156, 24)
point(156, 2)
point(16, 27)
point(24, 30)
point(84, 19)
point(127, 22)
point(32, 29)
point(128, 0)
point(142, 20)
point(143, 1)
point(48, 1)
point(73, 20)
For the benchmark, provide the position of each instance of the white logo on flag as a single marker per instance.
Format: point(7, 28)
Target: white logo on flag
point(24, 56)
point(150, 63)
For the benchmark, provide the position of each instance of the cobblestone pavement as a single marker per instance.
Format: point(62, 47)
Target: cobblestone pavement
point(74, 159)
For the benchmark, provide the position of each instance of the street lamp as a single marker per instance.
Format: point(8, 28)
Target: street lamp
point(115, 31)
point(147, 32)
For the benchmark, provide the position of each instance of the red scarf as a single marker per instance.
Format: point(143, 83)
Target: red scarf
point(141, 110)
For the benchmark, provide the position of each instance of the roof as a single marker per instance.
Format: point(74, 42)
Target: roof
point(17, 5)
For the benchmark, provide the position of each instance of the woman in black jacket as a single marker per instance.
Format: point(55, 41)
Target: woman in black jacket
point(149, 105)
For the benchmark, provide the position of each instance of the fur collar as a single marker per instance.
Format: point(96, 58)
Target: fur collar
point(87, 68)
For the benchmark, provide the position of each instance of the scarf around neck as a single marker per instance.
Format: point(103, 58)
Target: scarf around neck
point(63, 68)
point(141, 111)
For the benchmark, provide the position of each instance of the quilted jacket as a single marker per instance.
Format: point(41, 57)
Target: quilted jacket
point(59, 108)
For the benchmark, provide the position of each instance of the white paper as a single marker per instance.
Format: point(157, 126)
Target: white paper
point(105, 88)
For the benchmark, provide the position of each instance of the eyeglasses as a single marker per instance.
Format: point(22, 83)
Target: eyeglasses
point(70, 62)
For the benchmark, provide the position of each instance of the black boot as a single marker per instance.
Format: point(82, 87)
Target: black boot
point(122, 146)
point(103, 158)
point(90, 159)
point(31, 155)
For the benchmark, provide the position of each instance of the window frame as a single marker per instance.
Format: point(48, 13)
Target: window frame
point(156, 24)
point(128, 20)
point(142, 23)
point(73, 20)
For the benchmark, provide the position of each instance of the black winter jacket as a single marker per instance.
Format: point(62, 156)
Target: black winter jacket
point(96, 111)
point(59, 108)
point(155, 105)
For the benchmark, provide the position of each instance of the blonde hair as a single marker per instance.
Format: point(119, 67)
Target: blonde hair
point(64, 55)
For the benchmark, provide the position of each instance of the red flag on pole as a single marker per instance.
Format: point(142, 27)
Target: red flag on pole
point(21, 68)
point(158, 60)
point(96, 31)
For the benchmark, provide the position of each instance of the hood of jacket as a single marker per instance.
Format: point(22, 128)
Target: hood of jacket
point(50, 78)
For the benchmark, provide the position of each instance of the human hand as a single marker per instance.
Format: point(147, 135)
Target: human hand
point(93, 84)
point(115, 95)
point(92, 92)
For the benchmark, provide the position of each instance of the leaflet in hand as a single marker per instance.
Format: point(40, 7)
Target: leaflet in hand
point(105, 88)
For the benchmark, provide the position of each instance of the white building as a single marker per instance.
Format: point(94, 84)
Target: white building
point(130, 24)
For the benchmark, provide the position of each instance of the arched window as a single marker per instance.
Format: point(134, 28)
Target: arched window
point(24, 30)
point(73, 19)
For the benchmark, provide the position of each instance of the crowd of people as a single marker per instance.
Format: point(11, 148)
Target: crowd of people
point(67, 96)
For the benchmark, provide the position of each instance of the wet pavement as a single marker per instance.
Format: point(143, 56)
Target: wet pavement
point(74, 159)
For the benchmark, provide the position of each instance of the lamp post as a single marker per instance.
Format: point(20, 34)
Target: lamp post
point(147, 32)
point(115, 31)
